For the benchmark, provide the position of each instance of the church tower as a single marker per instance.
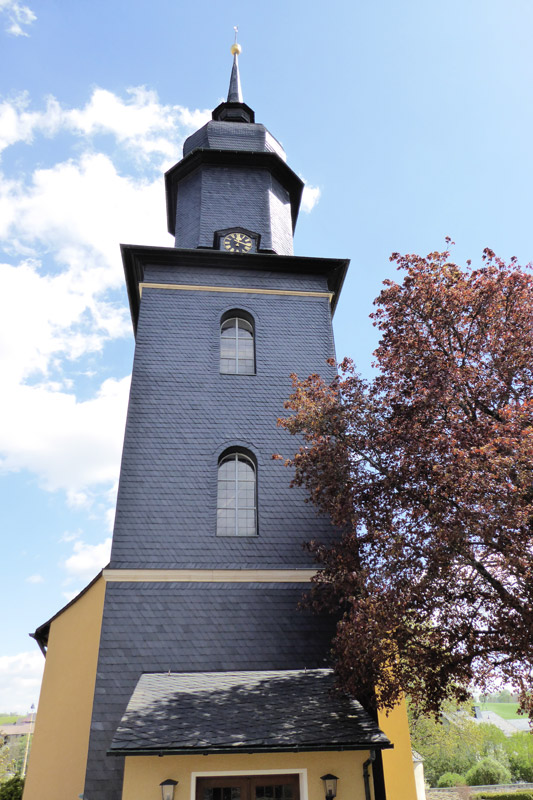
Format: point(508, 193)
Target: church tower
point(188, 662)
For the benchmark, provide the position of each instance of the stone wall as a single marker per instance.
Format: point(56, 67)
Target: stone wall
point(465, 792)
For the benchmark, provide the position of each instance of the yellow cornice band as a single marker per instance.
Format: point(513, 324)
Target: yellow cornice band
point(209, 575)
point(185, 287)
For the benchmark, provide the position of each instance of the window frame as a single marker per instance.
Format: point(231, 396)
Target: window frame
point(237, 454)
point(236, 315)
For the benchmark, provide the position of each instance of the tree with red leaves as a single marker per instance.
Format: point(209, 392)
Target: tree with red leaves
point(427, 470)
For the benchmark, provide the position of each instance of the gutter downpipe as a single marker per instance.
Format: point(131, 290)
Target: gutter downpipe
point(366, 774)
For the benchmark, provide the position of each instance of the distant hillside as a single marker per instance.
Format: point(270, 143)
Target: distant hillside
point(7, 719)
point(505, 710)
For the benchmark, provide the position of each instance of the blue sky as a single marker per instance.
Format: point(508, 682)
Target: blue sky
point(409, 122)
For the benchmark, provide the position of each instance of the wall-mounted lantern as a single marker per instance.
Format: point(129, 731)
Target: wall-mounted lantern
point(167, 789)
point(330, 785)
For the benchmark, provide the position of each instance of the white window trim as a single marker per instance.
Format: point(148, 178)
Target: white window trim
point(236, 457)
point(302, 773)
point(236, 358)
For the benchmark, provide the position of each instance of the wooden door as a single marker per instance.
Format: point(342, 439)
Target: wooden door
point(253, 787)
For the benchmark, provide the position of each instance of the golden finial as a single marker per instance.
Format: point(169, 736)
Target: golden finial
point(236, 49)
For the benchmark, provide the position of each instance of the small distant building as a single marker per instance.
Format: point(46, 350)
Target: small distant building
point(508, 726)
point(420, 781)
point(16, 730)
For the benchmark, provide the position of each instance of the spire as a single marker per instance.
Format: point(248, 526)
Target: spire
point(234, 109)
point(235, 91)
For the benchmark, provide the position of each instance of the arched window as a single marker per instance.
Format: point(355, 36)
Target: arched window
point(237, 355)
point(236, 496)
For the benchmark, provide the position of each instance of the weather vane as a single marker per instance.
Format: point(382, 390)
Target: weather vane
point(236, 49)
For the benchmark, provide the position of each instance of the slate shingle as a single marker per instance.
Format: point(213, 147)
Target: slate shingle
point(214, 198)
point(259, 711)
point(217, 135)
point(185, 627)
point(183, 413)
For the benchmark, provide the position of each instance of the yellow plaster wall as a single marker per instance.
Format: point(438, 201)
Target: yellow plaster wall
point(398, 763)
point(143, 774)
point(56, 769)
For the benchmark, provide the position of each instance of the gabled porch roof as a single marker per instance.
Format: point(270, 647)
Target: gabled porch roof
point(250, 712)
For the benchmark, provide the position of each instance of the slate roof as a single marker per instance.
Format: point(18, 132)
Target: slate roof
point(136, 258)
point(224, 712)
point(216, 135)
point(17, 729)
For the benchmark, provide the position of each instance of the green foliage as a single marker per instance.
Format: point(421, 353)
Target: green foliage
point(456, 744)
point(12, 789)
point(11, 758)
point(445, 747)
point(450, 779)
point(487, 772)
point(503, 796)
point(493, 743)
point(519, 751)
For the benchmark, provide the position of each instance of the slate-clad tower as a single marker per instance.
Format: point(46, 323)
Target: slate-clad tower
point(208, 564)
point(185, 413)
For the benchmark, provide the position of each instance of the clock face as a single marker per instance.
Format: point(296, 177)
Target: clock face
point(236, 242)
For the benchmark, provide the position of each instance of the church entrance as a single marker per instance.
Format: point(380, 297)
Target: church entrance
point(256, 787)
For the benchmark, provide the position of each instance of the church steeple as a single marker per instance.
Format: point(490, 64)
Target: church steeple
point(235, 91)
point(234, 109)
point(233, 174)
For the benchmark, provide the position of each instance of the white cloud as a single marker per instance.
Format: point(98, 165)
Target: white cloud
point(78, 211)
point(20, 679)
point(17, 124)
point(140, 122)
point(110, 518)
point(88, 559)
point(70, 445)
point(43, 317)
point(61, 225)
point(111, 498)
point(109, 113)
point(35, 579)
point(70, 595)
point(77, 499)
point(17, 15)
point(70, 536)
point(310, 197)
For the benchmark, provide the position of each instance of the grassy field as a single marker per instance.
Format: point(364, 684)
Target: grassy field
point(5, 719)
point(505, 710)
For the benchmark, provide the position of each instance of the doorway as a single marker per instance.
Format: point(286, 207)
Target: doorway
point(253, 787)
